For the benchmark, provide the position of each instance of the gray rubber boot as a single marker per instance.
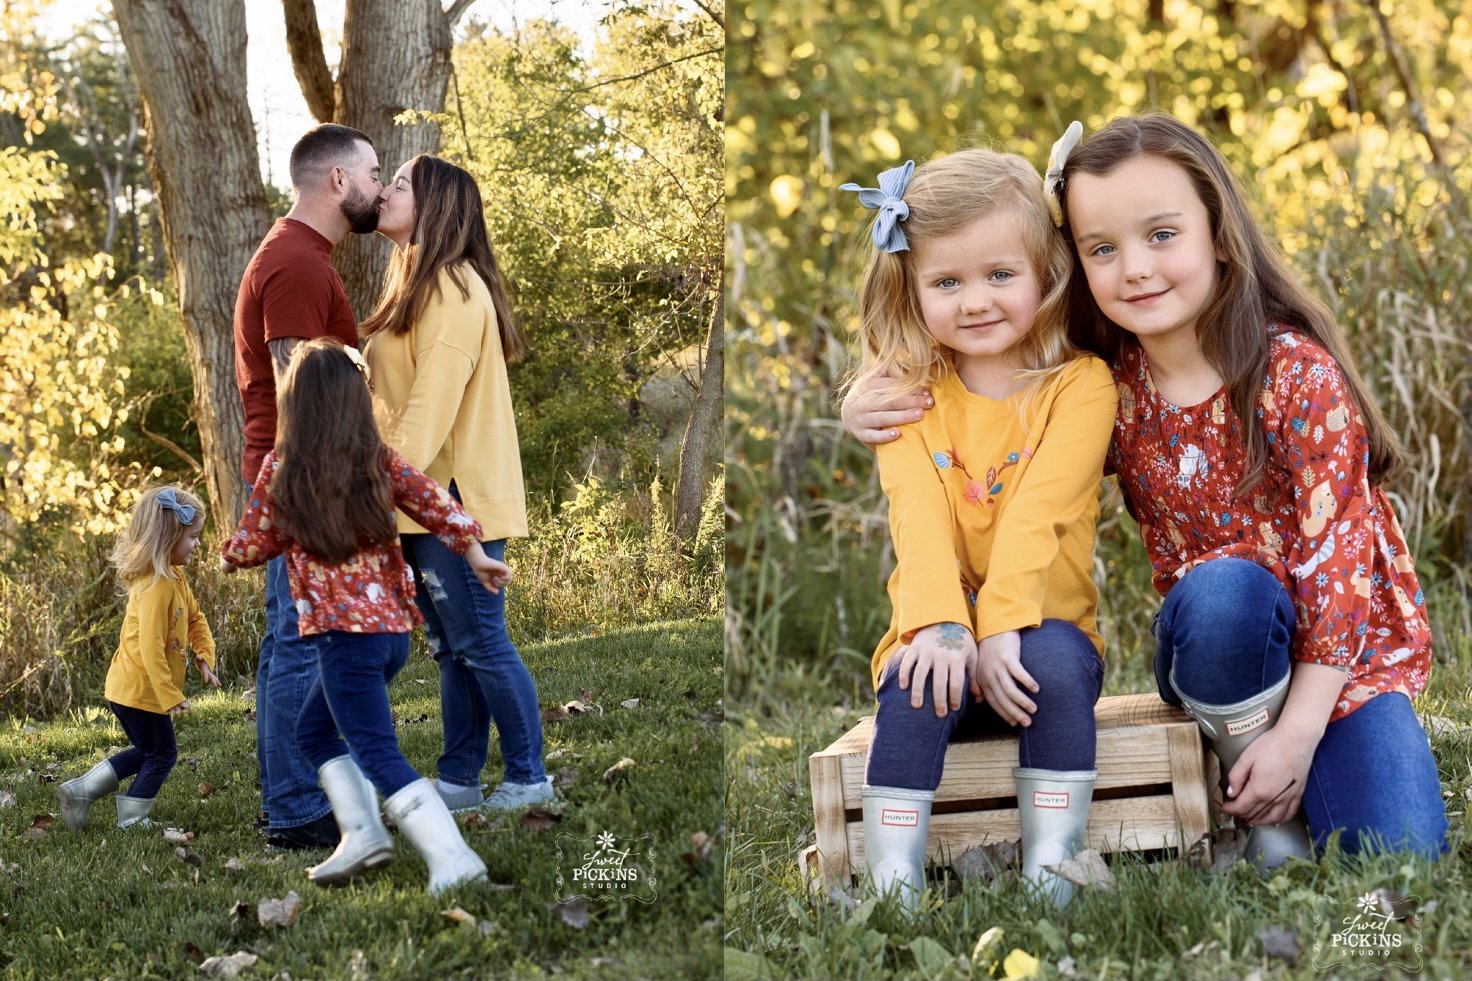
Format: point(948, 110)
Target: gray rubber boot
point(424, 819)
point(365, 842)
point(77, 795)
point(1053, 806)
point(896, 824)
point(1231, 729)
point(133, 811)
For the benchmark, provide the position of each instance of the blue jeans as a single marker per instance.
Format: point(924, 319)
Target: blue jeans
point(1227, 630)
point(347, 711)
point(286, 673)
point(153, 753)
point(909, 745)
point(482, 676)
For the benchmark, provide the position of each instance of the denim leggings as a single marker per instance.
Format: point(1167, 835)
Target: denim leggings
point(153, 753)
point(909, 745)
point(1226, 631)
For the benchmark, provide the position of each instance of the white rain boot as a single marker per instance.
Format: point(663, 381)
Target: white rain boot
point(1230, 730)
point(134, 811)
point(77, 795)
point(424, 819)
point(1053, 806)
point(896, 823)
point(365, 842)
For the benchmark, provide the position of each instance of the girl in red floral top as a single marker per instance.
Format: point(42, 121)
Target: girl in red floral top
point(1293, 629)
point(326, 497)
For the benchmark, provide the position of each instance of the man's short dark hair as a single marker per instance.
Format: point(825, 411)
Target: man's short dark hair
point(328, 145)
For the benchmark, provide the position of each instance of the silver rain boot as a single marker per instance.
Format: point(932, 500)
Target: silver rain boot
point(134, 811)
point(365, 842)
point(77, 795)
point(1053, 806)
point(424, 819)
point(896, 823)
point(1231, 729)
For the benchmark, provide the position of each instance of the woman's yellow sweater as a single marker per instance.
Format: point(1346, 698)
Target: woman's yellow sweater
point(445, 404)
point(161, 624)
point(992, 509)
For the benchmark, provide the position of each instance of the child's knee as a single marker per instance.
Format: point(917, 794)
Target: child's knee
point(1058, 653)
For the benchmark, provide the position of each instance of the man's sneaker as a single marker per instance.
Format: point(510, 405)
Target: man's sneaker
point(321, 833)
point(513, 796)
point(459, 800)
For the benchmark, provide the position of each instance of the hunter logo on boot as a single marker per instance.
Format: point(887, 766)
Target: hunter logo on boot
point(890, 817)
point(1057, 800)
point(1248, 724)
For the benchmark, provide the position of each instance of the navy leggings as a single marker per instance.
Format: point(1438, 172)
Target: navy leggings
point(153, 753)
point(909, 745)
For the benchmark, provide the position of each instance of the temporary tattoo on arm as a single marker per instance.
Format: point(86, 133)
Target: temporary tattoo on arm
point(952, 636)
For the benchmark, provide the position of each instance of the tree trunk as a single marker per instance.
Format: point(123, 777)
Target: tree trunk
point(396, 57)
point(189, 59)
point(703, 430)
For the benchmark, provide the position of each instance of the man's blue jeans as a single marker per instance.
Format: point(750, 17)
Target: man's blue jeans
point(909, 745)
point(1227, 631)
point(348, 707)
point(286, 673)
point(482, 676)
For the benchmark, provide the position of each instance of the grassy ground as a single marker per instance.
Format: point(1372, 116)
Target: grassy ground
point(110, 903)
point(1162, 920)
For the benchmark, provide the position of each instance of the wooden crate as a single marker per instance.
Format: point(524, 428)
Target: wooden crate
point(1154, 788)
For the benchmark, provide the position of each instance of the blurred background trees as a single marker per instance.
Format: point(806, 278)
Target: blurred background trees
point(1348, 120)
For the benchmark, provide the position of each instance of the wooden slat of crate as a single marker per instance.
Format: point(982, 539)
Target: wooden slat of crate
point(1142, 743)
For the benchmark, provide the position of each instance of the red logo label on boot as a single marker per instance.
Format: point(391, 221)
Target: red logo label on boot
point(1057, 800)
point(1248, 724)
point(893, 818)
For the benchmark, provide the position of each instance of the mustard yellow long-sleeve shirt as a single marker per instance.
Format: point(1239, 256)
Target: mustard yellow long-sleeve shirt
point(161, 624)
point(992, 509)
point(446, 405)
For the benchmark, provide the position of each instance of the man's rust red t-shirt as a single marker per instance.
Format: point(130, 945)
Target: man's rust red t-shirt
point(289, 290)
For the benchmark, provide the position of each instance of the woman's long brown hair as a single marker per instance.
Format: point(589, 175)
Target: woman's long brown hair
point(330, 491)
point(449, 229)
point(1256, 287)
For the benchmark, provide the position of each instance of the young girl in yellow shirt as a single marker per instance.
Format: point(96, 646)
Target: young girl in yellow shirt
point(992, 505)
point(145, 681)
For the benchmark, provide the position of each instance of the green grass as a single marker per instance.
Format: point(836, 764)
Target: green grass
point(110, 903)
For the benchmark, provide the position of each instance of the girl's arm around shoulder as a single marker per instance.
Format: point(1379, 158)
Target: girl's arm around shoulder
point(258, 538)
point(431, 505)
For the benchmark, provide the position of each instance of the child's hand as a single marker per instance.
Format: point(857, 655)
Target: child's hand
point(210, 678)
point(1002, 680)
point(873, 422)
point(492, 574)
point(941, 651)
point(1266, 785)
point(181, 709)
point(226, 567)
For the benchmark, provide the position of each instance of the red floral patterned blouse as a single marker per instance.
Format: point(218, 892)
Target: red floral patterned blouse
point(371, 592)
point(1314, 520)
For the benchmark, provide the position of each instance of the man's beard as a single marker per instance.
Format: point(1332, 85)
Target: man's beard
point(361, 211)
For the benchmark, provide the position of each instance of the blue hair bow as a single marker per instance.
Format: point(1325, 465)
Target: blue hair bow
point(186, 513)
point(889, 200)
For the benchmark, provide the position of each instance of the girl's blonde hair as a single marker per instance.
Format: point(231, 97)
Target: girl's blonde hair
point(144, 551)
point(1255, 286)
point(944, 196)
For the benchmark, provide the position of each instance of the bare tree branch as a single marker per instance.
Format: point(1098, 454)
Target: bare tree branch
point(648, 71)
point(304, 41)
point(712, 13)
point(456, 10)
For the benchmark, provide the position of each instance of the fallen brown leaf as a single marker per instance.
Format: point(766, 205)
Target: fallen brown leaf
point(174, 836)
point(1087, 868)
point(459, 916)
point(7, 798)
point(574, 912)
point(539, 819)
point(279, 912)
point(554, 714)
point(228, 967)
point(234, 865)
point(577, 707)
point(585, 694)
point(206, 788)
point(985, 862)
point(619, 768)
point(630, 703)
point(700, 846)
point(189, 856)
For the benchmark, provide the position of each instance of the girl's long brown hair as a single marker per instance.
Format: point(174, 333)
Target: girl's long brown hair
point(1256, 286)
point(449, 229)
point(330, 491)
